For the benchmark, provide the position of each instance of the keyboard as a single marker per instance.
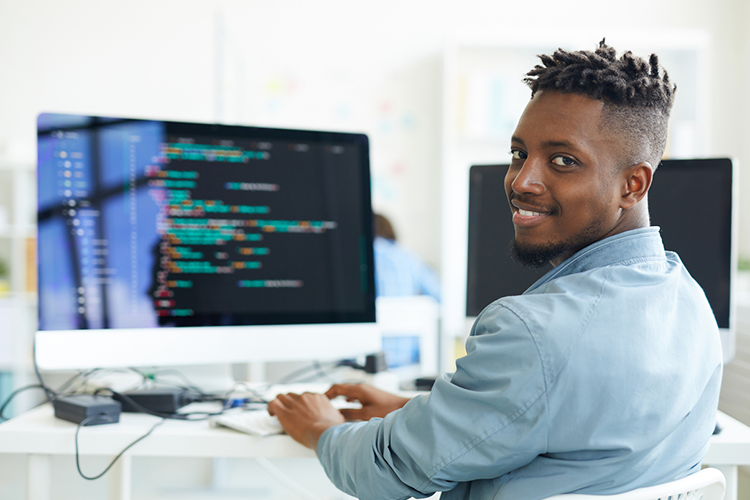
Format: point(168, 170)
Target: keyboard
point(254, 422)
point(258, 422)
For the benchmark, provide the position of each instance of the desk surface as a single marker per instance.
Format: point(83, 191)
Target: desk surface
point(39, 432)
point(732, 445)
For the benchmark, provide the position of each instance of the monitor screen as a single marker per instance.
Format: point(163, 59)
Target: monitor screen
point(492, 273)
point(699, 231)
point(148, 224)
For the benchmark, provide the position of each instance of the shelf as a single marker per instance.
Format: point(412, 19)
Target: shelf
point(17, 167)
point(19, 299)
point(18, 231)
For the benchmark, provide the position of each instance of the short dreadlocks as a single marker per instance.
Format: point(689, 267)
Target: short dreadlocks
point(637, 99)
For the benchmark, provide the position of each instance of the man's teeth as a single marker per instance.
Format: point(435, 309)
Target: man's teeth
point(528, 212)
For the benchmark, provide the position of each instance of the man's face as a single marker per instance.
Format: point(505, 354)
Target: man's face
point(563, 184)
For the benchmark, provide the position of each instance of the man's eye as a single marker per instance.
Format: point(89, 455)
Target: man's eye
point(563, 161)
point(517, 154)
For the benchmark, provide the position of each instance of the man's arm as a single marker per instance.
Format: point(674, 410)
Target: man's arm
point(486, 420)
point(305, 417)
point(375, 403)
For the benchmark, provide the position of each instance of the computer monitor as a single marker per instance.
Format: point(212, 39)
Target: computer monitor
point(167, 243)
point(692, 201)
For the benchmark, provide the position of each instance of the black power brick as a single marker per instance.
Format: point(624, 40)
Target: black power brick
point(375, 363)
point(166, 401)
point(79, 408)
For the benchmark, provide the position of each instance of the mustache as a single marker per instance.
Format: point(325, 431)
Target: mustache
point(532, 204)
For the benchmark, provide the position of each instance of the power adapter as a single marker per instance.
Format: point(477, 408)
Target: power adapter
point(78, 408)
point(375, 363)
point(166, 401)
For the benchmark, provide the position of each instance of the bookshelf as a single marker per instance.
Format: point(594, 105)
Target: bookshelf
point(18, 298)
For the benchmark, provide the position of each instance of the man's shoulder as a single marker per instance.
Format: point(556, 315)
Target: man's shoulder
point(553, 321)
point(559, 312)
point(564, 300)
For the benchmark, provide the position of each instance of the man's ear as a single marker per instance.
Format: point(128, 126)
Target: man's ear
point(636, 182)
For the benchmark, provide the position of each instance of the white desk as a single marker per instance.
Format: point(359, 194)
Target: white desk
point(38, 435)
point(729, 449)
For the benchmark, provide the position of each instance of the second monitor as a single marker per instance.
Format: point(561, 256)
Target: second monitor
point(692, 201)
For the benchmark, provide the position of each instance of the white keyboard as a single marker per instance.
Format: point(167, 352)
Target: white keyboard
point(254, 422)
point(260, 423)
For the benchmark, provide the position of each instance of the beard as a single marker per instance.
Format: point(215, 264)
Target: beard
point(539, 255)
point(536, 256)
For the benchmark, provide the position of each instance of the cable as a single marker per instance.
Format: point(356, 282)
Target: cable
point(171, 416)
point(13, 394)
point(322, 370)
point(52, 395)
point(55, 394)
point(188, 383)
point(153, 375)
point(255, 393)
point(108, 418)
point(81, 374)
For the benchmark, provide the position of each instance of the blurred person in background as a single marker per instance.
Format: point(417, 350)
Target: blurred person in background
point(400, 272)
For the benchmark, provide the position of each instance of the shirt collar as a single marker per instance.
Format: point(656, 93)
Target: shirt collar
point(643, 243)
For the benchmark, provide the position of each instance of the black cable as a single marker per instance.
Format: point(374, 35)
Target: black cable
point(252, 390)
point(81, 374)
point(47, 390)
point(321, 371)
point(13, 394)
point(171, 416)
point(188, 383)
point(298, 373)
point(109, 419)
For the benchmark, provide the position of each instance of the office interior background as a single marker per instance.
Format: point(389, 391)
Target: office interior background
point(435, 84)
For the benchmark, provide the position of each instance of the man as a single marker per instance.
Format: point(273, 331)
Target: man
point(398, 271)
point(604, 376)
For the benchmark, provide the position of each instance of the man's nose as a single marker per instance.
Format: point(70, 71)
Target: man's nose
point(529, 179)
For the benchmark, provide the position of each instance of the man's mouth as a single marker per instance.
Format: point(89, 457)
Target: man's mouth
point(525, 215)
point(528, 209)
point(529, 212)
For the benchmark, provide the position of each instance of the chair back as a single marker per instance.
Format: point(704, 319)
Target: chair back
point(707, 484)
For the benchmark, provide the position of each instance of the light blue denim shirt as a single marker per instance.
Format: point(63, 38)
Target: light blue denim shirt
point(602, 377)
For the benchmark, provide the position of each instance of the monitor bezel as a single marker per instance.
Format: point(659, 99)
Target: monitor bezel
point(296, 337)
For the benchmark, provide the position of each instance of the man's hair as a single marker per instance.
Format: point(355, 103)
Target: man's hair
point(382, 227)
point(637, 95)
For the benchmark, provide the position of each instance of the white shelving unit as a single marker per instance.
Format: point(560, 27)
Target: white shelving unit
point(17, 224)
point(18, 299)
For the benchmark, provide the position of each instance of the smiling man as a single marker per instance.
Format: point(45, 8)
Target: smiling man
point(603, 376)
point(567, 184)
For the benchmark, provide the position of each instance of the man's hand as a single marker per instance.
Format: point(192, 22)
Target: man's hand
point(375, 403)
point(305, 416)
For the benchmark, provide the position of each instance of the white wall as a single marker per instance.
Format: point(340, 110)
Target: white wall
point(327, 64)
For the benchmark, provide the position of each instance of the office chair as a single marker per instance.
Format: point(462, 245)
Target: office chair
point(707, 484)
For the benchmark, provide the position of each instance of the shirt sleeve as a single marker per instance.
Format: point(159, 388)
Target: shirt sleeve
point(487, 419)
